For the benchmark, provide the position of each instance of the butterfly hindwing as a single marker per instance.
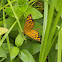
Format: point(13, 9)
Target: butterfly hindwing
point(33, 34)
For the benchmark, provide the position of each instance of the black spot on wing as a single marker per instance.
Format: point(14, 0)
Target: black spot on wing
point(32, 20)
point(37, 37)
point(29, 21)
point(30, 25)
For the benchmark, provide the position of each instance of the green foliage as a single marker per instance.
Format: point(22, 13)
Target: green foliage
point(9, 12)
point(25, 56)
point(53, 56)
point(3, 30)
point(2, 54)
point(33, 48)
point(5, 47)
point(23, 4)
point(14, 52)
point(34, 13)
point(19, 40)
point(17, 47)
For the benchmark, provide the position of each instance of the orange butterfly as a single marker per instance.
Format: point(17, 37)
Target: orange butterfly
point(29, 24)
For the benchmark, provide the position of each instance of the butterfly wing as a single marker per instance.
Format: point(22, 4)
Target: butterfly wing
point(29, 24)
point(33, 34)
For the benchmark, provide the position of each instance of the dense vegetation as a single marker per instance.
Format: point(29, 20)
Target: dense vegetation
point(17, 47)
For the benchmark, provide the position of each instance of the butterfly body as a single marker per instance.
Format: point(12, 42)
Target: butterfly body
point(29, 24)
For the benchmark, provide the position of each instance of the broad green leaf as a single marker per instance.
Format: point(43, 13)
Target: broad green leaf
point(23, 4)
point(11, 20)
point(2, 54)
point(19, 40)
point(38, 26)
point(18, 11)
point(34, 12)
point(14, 52)
point(57, 5)
point(14, 31)
point(5, 47)
point(33, 48)
point(25, 56)
point(9, 12)
point(3, 30)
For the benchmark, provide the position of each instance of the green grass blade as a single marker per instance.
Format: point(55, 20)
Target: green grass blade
point(52, 32)
point(6, 27)
point(45, 17)
point(44, 24)
point(59, 45)
point(50, 16)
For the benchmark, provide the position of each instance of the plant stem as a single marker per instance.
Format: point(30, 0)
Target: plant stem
point(16, 17)
point(59, 45)
point(2, 40)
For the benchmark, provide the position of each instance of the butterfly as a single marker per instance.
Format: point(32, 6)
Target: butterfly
point(29, 24)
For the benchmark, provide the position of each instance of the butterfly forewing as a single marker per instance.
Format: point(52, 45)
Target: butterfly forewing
point(29, 24)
